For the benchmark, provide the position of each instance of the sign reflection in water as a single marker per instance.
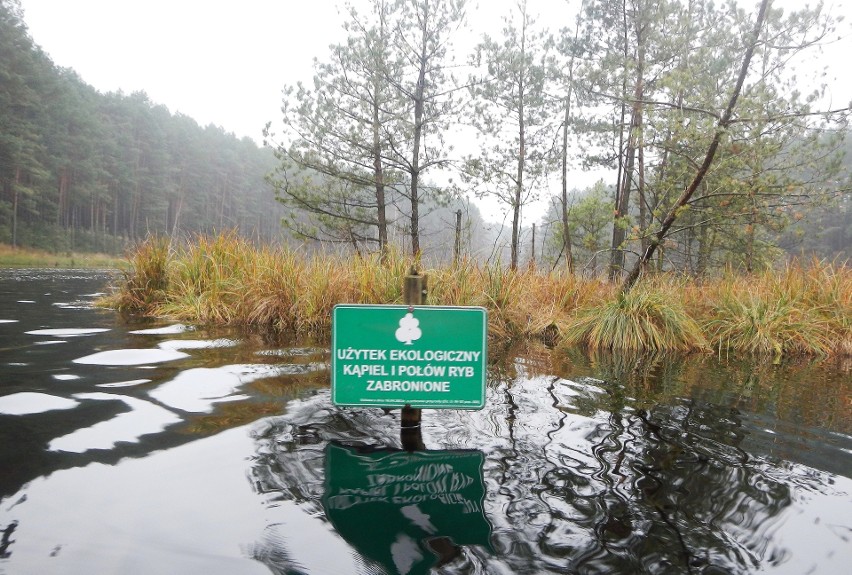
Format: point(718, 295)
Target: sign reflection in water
point(407, 511)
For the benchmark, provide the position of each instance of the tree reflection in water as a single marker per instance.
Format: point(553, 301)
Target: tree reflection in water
point(630, 472)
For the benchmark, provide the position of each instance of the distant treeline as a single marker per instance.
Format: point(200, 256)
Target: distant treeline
point(82, 170)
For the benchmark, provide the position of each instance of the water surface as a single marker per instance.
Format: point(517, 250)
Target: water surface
point(153, 447)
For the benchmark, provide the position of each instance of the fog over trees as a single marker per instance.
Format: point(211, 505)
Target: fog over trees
point(83, 170)
point(714, 152)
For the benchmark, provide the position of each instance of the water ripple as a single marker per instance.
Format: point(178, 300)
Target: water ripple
point(131, 357)
point(142, 419)
point(27, 403)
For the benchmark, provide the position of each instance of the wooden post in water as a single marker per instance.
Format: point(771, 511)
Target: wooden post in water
point(457, 245)
point(532, 251)
point(414, 291)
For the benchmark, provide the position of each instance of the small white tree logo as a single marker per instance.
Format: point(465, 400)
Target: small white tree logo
point(408, 329)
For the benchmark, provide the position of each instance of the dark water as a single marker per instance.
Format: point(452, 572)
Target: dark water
point(155, 448)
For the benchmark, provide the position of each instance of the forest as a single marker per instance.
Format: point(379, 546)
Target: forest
point(716, 153)
point(85, 171)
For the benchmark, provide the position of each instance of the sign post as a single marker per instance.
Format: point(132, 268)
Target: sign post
point(414, 292)
point(420, 506)
point(418, 356)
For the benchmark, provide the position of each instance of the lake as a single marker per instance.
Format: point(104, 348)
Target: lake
point(132, 446)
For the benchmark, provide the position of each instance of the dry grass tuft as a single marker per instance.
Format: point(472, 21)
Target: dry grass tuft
point(800, 310)
point(652, 316)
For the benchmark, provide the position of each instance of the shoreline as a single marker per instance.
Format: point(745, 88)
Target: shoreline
point(18, 257)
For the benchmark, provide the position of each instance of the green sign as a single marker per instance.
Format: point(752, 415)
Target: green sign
point(396, 355)
point(407, 511)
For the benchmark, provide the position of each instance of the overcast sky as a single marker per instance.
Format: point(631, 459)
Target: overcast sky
point(225, 61)
point(220, 62)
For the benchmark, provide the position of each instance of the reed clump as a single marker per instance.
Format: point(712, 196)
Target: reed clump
point(801, 310)
point(797, 310)
point(146, 284)
point(653, 317)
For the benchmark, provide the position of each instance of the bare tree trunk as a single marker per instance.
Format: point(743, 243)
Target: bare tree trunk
point(378, 168)
point(519, 183)
point(62, 217)
point(176, 225)
point(721, 128)
point(619, 233)
point(378, 174)
point(616, 265)
point(566, 233)
point(532, 250)
point(15, 207)
point(706, 239)
point(621, 148)
point(644, 224)
point(522, 153)
point(115, 220)
point(457, 244)
point(419, 104)
point(134, 214)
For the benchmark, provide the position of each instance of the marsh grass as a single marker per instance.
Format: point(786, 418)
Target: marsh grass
point(803, 309)
point(652, 318)
point(797, 310)
point(144, 288)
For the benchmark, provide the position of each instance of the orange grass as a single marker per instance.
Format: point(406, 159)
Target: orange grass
point(800, 310)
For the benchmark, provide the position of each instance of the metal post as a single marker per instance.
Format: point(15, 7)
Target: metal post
point(410, 436)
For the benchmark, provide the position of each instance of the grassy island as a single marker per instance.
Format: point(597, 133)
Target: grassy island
point(801, 309)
